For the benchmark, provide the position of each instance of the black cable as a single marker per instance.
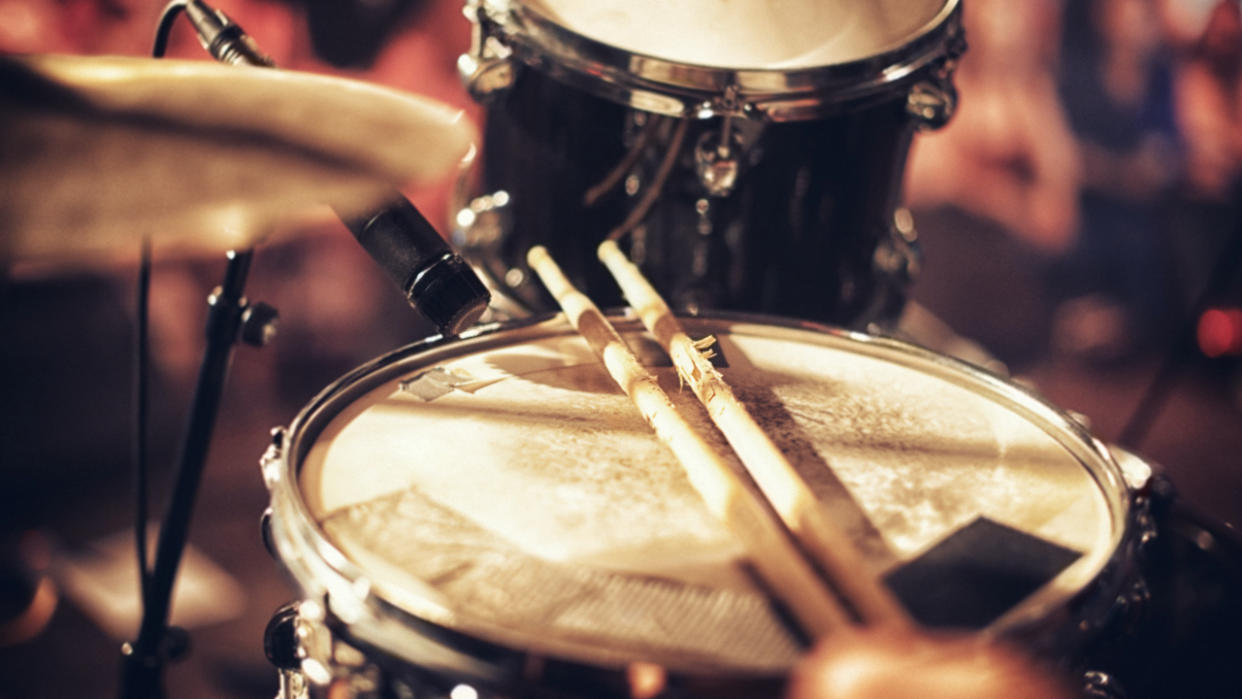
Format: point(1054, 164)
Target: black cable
point(1157, 393)
point(142, 353)
point(141, 374)
point(167, 17)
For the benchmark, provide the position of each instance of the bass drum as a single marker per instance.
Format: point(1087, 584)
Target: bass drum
point(492, 513)
point(748, 154)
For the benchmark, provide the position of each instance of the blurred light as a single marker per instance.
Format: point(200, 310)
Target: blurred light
point(316, 672)
point(1220, 332)
point(646, 680)
point(464, 691)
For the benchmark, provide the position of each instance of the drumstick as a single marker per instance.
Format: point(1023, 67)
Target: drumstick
point(773, 555)
point(776, 477)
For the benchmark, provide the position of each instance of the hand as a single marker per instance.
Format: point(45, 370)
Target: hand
point(899, 664)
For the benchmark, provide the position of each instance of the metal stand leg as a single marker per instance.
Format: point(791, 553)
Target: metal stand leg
point(230, 318)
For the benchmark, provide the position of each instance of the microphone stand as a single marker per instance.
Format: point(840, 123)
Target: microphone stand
point(459, 291)
point(230, 317)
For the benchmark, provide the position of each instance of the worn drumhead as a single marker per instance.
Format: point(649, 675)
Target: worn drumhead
point(786, 34)
point(503, 487)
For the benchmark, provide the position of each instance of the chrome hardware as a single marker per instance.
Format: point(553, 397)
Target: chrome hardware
point(932, 103)
point(720, 155)
point(1101, 685)
point(728, 104)
point(715, 161)
point(1081, 418)
point(259, 324)
point(509, 34)
point(269, 463)
point(899, 256)
point(283, 647)
point(487, 68)
point(481, 223)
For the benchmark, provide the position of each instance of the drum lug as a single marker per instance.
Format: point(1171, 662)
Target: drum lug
point(311, 663)
point(487, 68)
point(265, 533)
point(269, 463)
point(716, 164)
point(718, 154)
point(931, 103)
point(283, 648)
point(899, 257)
point(485, 77)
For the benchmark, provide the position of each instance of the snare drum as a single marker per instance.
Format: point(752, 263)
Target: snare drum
point(493, 513)
point(750, 153)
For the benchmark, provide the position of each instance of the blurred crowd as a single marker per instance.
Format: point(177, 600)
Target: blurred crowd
point(1106, 137)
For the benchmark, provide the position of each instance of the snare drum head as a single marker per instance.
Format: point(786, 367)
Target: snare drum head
point(505, 488)
point(784, 34)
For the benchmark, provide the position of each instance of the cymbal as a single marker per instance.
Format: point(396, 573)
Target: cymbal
point(99, 151)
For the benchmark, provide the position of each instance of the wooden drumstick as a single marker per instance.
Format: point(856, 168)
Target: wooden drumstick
point(773, 555)
point(776, 477)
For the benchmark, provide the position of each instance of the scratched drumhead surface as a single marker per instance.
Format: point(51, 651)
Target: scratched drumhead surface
point(515, 493)
point(774, 34)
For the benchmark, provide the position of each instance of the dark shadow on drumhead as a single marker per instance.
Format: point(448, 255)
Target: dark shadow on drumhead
point(775, 419)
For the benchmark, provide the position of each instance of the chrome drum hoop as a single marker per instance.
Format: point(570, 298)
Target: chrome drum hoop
point(346, 597)
point(509, 30)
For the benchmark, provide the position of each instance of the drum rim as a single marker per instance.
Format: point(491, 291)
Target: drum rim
point(671, 88)
point(325, 573)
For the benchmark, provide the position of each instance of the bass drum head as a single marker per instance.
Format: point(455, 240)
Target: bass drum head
point(754, 34)
point(502, 487)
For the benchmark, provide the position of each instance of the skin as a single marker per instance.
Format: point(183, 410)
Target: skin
point(896, 664)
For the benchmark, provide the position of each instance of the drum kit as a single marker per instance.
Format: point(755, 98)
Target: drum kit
point(483, 513)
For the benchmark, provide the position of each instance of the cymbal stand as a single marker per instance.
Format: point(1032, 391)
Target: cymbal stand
point(1228, 262)
point(230, 317)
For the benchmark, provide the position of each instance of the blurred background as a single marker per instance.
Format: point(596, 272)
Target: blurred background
point(1071, 217)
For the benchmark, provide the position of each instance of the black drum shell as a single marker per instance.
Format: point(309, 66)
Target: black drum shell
point(807, 232)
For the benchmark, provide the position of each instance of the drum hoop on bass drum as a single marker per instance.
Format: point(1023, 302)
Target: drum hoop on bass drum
point(653, 84)
point(346, 606)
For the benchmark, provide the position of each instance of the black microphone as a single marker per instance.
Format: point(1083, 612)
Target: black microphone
point(223, 38)
point(435, 280)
